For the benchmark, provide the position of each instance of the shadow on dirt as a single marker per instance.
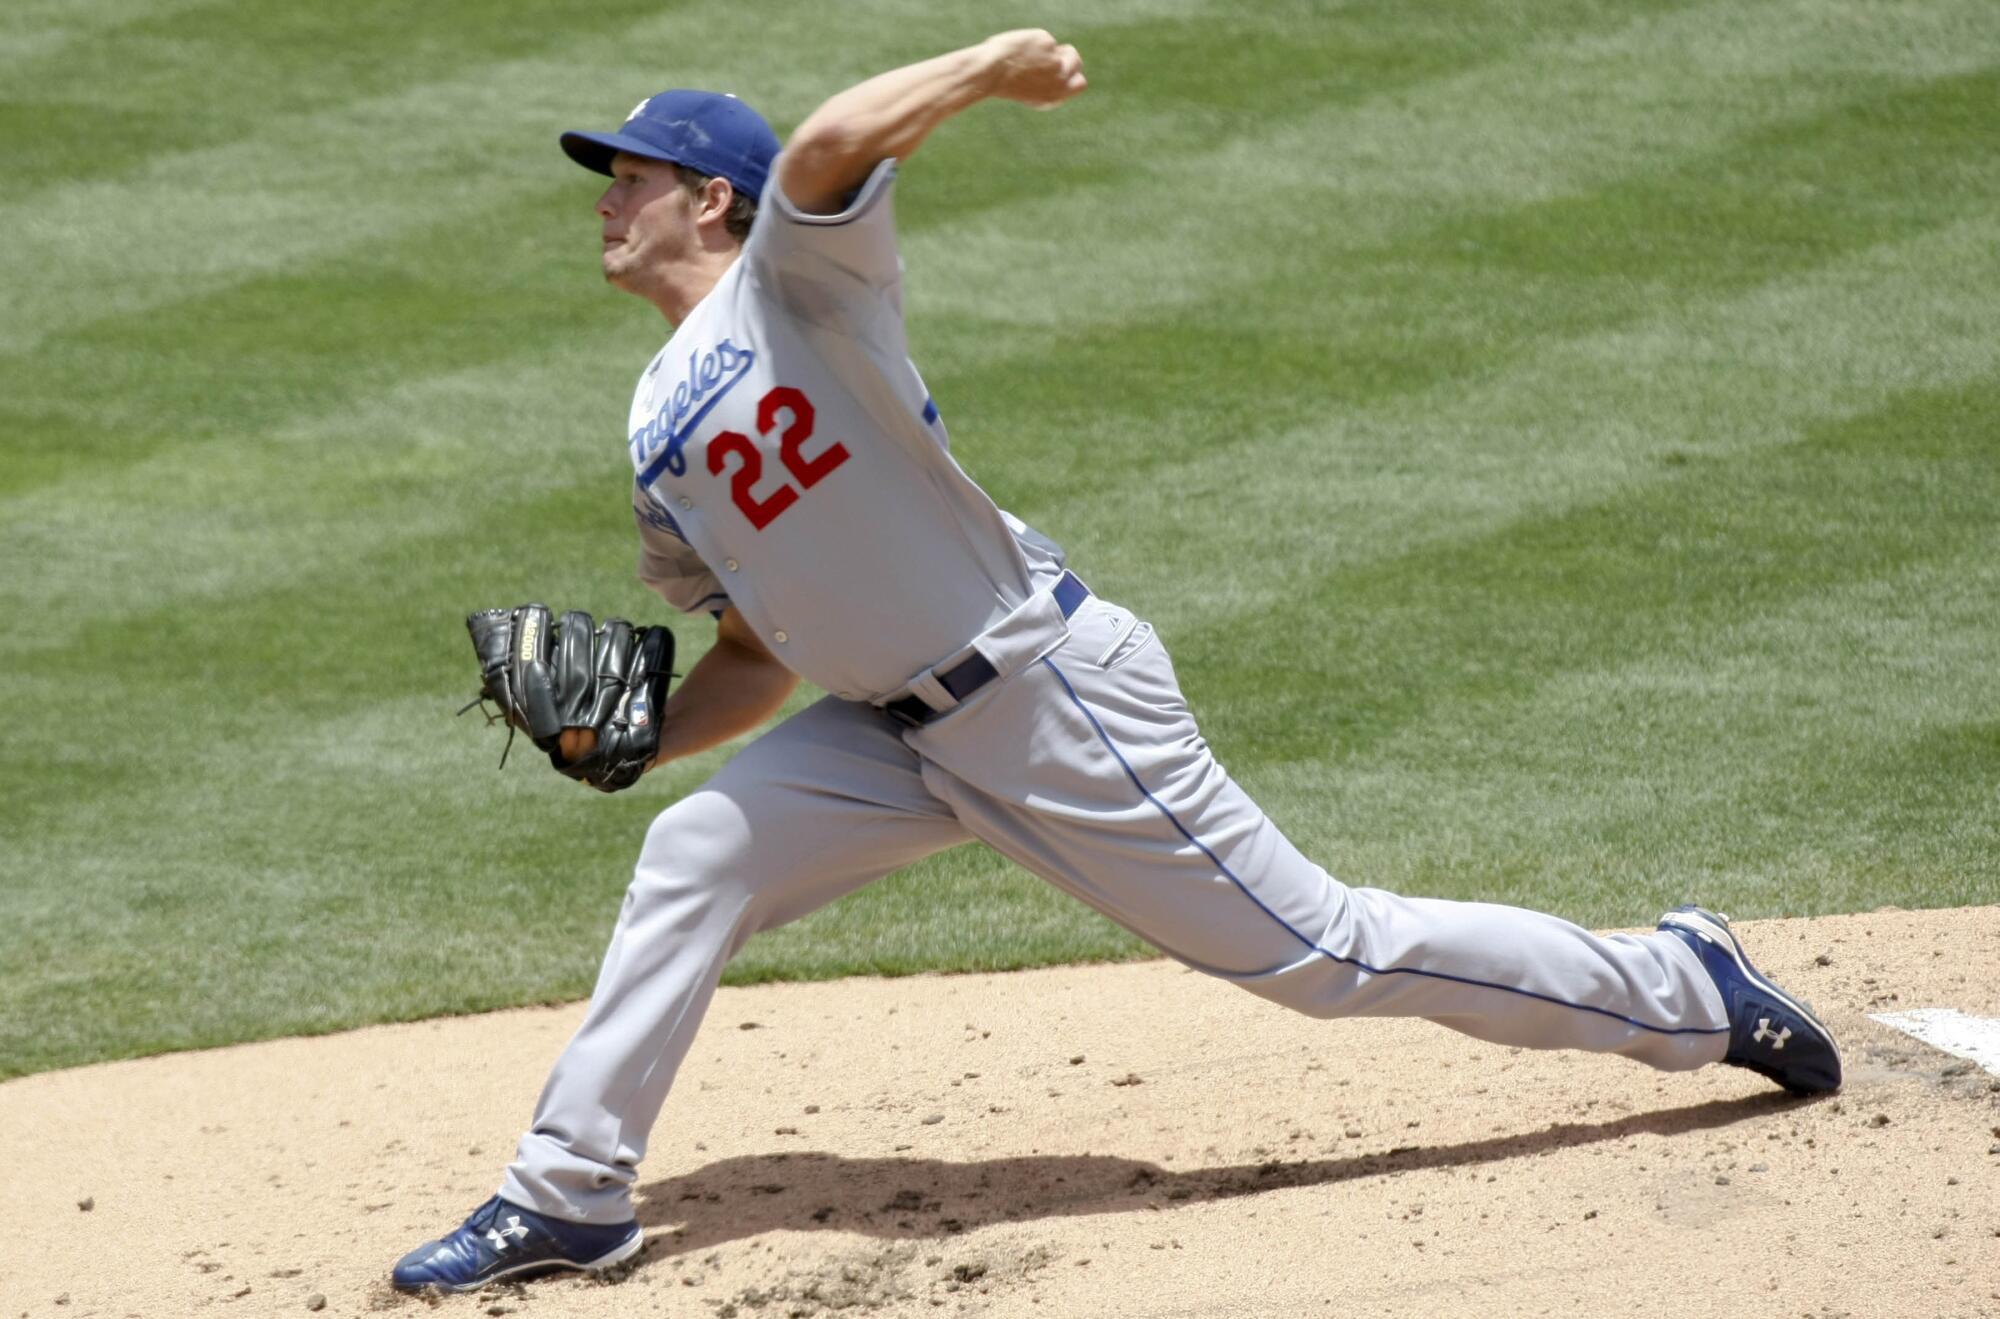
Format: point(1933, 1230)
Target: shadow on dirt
point(907, 1198)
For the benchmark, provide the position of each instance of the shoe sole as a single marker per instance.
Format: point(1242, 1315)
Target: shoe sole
point(618, 1254)
point(1719, 934)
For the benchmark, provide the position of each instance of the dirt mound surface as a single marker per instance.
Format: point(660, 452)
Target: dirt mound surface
point(1103, 1141)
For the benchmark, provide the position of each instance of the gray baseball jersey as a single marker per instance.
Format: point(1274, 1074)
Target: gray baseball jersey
point(788, 460)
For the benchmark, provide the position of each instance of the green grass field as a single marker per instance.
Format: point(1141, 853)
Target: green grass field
point(1559, 442)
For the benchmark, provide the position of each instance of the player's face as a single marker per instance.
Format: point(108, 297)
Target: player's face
point(648, 220)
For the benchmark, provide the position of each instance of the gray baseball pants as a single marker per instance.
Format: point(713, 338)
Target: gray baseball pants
point(1084, 765)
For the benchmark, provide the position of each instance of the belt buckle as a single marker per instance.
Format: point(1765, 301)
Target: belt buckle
point(895, 710)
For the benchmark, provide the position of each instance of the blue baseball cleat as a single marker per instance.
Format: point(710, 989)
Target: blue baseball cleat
point(1770, 1032)
point(503, 1240)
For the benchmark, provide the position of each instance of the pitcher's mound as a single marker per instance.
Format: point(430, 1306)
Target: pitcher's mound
point(1109, 1141)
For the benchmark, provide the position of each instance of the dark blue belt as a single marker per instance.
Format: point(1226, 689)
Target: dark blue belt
point(968, 676)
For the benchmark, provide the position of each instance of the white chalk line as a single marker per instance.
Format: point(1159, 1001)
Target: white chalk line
point(1976, 1039)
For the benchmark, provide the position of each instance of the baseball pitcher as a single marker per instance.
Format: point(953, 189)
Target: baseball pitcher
point(791, 475)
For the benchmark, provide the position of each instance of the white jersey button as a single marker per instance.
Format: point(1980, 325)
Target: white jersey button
point(686, 502)
point(729, 564)
point(780, 637)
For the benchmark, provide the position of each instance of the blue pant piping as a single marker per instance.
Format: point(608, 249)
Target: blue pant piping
point(1314, 946)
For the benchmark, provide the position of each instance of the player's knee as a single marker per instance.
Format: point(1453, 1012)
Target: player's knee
point(1317, 988)
point(696, 847)
point(1300, 999)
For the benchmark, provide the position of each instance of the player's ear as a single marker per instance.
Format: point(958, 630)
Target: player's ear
point(716, 196)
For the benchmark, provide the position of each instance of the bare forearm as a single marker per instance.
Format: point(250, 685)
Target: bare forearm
point(891, 114)
point(730, 690)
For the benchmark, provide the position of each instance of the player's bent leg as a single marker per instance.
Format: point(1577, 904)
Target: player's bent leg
point(1128, 811)
point(820, 805)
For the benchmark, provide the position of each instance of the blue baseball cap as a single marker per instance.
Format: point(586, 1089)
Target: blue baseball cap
point(710, 132)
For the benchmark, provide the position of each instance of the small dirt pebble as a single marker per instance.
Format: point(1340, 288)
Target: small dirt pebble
point(1721, 1181)
point(315, 1302)
point(1760, 1167)
point(1879, 1120)
point(1130, 1078)
point(786, 1131)
point(1076, 1061)
point(1824, 959)
point(88, 1203)
point(811, 1109)
point(750, 1025)
point(932, 1119)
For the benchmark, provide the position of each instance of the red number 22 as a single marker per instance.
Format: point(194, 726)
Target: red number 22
point(808, 471)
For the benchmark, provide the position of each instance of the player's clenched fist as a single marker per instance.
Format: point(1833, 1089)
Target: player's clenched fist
point(1032, 67)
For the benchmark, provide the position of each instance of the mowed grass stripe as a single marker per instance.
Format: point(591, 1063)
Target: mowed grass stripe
point(1237, 74)
point(353, 172)
point(1563, 116)
point(254, 365)
point(260, 62)
point(139, 384)
point(1686, 680)
point(1861, 759)
point(1299, 366)
point(1571, 424)
point(34, 34)
point(336, 496)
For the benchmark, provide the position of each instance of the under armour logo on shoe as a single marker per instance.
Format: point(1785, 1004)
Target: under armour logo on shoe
point(1764, 1032)
point(513, 1229)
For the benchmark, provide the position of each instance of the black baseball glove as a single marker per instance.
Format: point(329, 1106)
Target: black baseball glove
point(547, 676)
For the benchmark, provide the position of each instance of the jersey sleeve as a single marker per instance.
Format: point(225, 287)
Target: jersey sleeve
point(842, 270)
point(669, 565)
